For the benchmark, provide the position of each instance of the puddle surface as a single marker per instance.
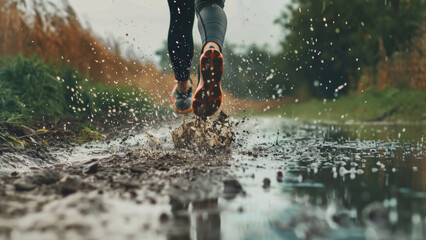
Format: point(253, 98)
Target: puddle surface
point(287, 180)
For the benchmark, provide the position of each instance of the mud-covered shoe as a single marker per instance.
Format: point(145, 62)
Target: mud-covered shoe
point(208, 96)
point(182, 102)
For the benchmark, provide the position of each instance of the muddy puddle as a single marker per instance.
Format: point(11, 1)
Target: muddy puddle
point(280, 179)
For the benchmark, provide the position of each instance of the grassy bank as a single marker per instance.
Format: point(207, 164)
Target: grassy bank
point(372, 105)
point(31, 90)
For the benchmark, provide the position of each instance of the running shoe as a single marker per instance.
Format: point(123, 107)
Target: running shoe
point(182, 102)
point(208, 96)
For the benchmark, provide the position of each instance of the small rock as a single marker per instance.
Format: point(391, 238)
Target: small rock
point(91, 168)
point(46, 177)
point(24, 186)
point(136, 170)
point(70, 184)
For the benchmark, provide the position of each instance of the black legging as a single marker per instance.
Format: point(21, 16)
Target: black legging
point(211, 25)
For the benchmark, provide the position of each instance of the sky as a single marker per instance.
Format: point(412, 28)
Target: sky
point(142, 25)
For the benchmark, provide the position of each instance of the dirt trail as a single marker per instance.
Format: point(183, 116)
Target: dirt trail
point(33, 202)
point(281, 179)
point(67, 200)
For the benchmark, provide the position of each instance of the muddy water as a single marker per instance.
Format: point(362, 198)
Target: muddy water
point(330, 181)
point(281, 180)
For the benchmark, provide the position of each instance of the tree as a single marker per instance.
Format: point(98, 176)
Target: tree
point(329, 41)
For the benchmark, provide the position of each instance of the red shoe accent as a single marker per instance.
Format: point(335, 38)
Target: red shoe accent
point(174, 105)
point(208, 97)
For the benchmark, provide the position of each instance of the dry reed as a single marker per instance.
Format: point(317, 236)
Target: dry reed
point(405, 70)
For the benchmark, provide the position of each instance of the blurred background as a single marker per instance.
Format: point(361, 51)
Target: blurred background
point(333, 60)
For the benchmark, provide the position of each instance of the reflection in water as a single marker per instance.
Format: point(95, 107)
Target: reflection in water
point(195, 220)
point(324, 182)
point(363, 181)
point(206, 219)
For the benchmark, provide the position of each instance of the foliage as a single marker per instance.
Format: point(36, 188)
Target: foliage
point(7, 139)
point(330, 41)
point(85, 133)
point(29, 87)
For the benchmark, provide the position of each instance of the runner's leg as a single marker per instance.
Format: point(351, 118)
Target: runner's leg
point(212, 22)
point(181, 50)
point(179, 41)
point(212, 25)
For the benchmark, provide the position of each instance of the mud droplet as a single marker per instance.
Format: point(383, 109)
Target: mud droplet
point(164, 218)
point(279, 176)
point(266, 183)
point(231, 188)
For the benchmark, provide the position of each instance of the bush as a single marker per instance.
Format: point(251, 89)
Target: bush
point(29, 87)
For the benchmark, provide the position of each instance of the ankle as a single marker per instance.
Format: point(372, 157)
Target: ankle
point(209, 45)
point(183, 86)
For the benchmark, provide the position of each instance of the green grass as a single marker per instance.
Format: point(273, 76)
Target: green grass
point(372, 105)
point(30, 88)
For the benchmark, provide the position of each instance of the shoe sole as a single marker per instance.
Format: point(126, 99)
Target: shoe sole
point(208, 97)
point(174, 104)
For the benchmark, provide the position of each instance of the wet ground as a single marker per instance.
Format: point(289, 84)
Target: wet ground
point(281, 179)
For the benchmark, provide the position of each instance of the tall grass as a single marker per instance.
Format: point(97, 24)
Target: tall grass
point(407, 69)
point(64, 39)
point(29, 87)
